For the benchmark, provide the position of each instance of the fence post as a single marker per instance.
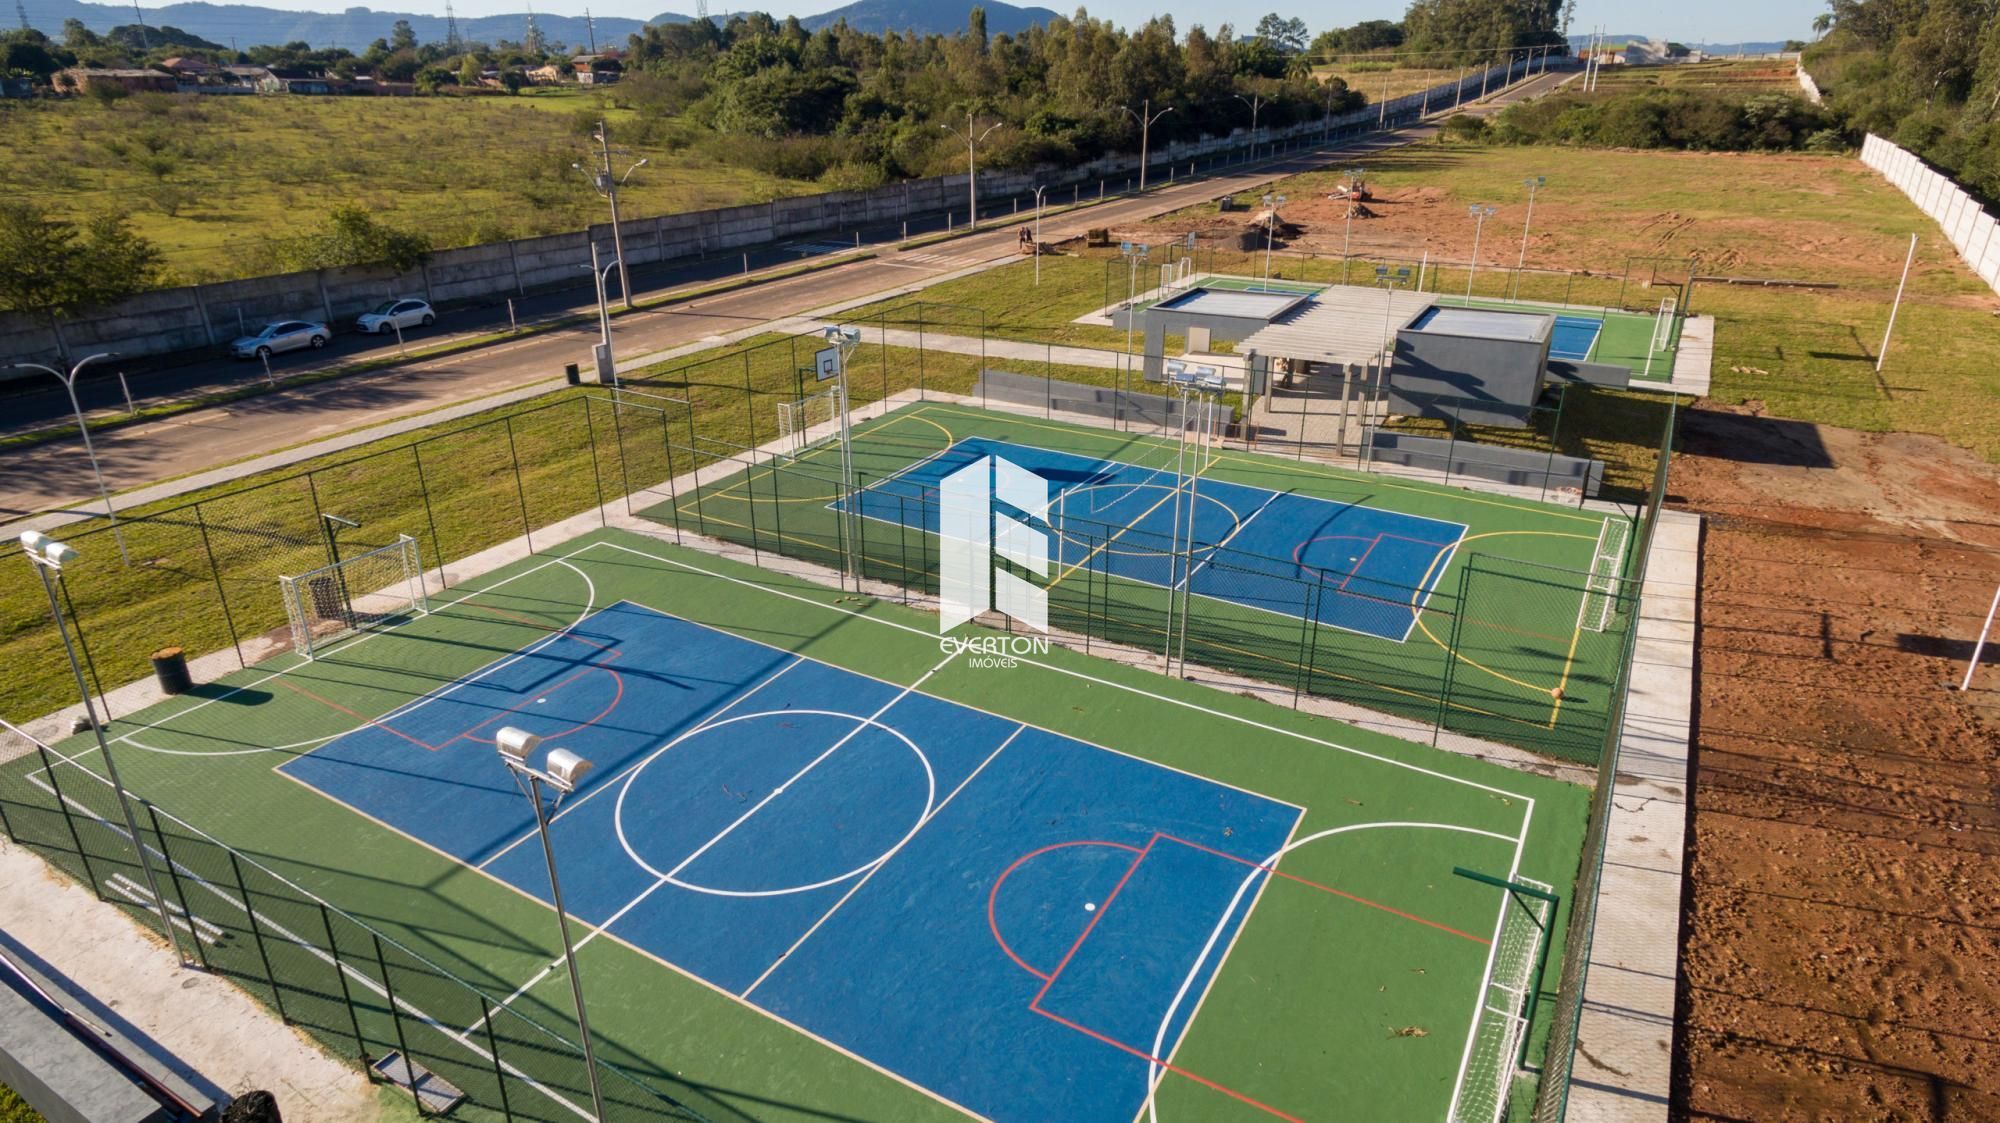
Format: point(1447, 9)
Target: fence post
point(618, 438)
point(346, 995)
point(520, 491)
point(673, 491)
point(1306, 618)
point(69, 821)
point(257, 932)
point(694, 454)
point(180, 892)
point(590, 434)
point(395, 1019)
point(493, 1046)
point(424, 489)
point(1451, 649)
point(215, 572)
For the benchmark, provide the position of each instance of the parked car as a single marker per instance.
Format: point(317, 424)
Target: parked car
point(392, 314)
point(281, 335)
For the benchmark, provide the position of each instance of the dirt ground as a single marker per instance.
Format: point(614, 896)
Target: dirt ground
point(1842, 933)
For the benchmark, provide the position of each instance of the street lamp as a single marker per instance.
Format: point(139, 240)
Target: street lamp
point(843, 341)
point(49, 556)
point(1353, 199)
point(607, 186)
point(1145, 117)
point(562, 771)
point(601, 353)
point(1256, 102)
point(1481, 213)
point(1271, 204)
point(1533, 183)
point(90, 450)
point(1039, 191)
point(1390, 280)
point(971, 163)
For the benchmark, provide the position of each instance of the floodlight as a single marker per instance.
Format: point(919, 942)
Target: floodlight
point(515, 744)
point(566, 769)
point(836, 334)
point(32, 540)
point(59, 554)
point(1176, 368)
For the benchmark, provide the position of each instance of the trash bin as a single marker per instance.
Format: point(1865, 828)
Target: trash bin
point(171, 669)
point(573, 373)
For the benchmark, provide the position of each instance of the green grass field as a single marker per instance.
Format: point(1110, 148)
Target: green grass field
point(1500, 623)
point(1320, 1001)
point(211, 179)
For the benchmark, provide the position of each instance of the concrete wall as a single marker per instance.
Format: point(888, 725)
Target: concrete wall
point(1971, 231)
point(1476, 381)
point(206, 316)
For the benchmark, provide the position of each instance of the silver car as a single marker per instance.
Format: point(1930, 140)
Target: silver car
point(393, 314)
point(280, 335)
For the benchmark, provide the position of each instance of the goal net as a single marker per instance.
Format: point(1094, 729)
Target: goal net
point(1600, 591)
point(330, 603)
point(808, 422)
point(1663, 324)
point(1493, 1055)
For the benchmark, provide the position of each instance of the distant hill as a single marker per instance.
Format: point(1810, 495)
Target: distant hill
point(930, 17)
point(245, 25)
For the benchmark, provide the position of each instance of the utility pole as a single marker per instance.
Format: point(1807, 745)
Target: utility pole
point(21, 9)
point(607, 185)
point(590, 30)
point(1533, 183)
point(145, 39)
point(1145, 117)
point(1256, 102)
point(971, 163)
point(451, 40)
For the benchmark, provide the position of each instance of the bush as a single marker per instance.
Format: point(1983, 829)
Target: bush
point(1669, 118)
point(1467, 129)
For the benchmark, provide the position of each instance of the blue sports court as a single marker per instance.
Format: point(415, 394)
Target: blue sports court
point(1368, 570)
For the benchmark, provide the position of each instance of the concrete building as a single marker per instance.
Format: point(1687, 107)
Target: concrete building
point(81, 79)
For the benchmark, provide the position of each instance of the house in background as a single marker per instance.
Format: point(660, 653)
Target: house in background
point(546, 75)
point(295, 80)
point(81, 78)
point(17, 87)
point(597, 70)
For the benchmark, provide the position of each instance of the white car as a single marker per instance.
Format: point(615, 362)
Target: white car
point(280, 335)
point(389, 315)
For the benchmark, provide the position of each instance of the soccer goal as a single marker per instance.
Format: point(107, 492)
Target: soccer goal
point(1506, 1005)
point(330, 603)
point(797, 420)
point(1663, 324)
point(1600, 589)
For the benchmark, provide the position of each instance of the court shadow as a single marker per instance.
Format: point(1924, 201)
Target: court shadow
point(1754, 440)
point(221, 692)
point(1957, 650)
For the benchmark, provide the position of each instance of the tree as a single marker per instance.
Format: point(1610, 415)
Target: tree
point(469, 71)
point(27, 52)
point(513, 80)
point(1288, 35)
point(352, 236)
point(433, 78)
point(77, 37)
point(52, 265)
point(402, 37)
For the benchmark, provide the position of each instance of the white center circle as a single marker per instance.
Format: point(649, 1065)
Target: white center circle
point(671, 876)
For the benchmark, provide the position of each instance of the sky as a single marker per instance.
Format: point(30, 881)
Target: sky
point(1687, 21)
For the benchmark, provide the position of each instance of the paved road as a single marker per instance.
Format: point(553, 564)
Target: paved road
point(57, 475)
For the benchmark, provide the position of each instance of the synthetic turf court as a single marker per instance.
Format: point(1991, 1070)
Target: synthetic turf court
point(1379, 565)
point(1417, 590)
point(821, 870)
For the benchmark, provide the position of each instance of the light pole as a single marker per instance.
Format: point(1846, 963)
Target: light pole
point(607, 185)
point(1533, 183)
point(1353, 198)
point(1203, 384)
point(49, 556)
point(1256, 102)
point(1133, 254)
point(1390, 280)
point(1481, 213)
point(563, 770)
point(600, 274)
point(1145, 117)
point(844, 341)
point(90, 450)
point(1271, 204)
point(971, 164)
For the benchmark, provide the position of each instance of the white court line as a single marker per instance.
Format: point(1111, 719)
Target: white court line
point(775, 792)
point(607, 785)
point(1268, 868)
point(1120, 686)
point(1420, 607)
point(1222, 545)
point(828, 915)
point(274, 926)
point(1492, 953)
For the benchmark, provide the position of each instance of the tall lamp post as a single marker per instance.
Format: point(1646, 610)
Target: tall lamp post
point(607, 372)
point(1145, 116)
point(1039, 192)
point(1271, 204)
point(842, 341)
point(90, 450)
point(562, 771)
point(971, 163)
point(1205, 385)
point(1480, 212)
point(1390, 280)
point(49, 556)
point(1256, 102)
point(1533, 183)
point(607, 185)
